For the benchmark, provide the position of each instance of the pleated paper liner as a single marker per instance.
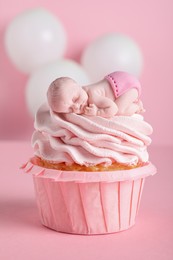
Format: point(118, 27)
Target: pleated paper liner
point(88, 202)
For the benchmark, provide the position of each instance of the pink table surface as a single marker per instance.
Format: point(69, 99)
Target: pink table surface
point(23, 237)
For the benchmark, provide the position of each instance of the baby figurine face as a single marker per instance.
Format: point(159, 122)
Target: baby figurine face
point(66, 96)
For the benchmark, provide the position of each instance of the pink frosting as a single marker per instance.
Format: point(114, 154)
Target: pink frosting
point(90, 140)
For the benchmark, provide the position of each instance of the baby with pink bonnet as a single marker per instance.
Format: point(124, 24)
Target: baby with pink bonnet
point(117, 94)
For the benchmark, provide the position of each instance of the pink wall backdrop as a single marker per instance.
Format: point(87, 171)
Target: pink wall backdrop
point(148, 22)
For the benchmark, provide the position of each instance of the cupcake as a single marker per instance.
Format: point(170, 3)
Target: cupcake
point(90, 155)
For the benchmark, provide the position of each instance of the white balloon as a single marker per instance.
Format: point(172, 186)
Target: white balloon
point(34, 38)
point(112, 52)
point(40, 80)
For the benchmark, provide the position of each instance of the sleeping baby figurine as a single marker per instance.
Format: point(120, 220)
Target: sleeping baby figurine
point(117, 94)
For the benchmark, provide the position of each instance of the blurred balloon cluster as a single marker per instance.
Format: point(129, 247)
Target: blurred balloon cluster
point(36, 42)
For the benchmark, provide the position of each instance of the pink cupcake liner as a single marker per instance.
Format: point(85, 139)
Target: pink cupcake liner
point(88, 202)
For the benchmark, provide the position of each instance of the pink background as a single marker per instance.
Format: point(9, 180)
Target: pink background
point(148, 22)
point(22, 237)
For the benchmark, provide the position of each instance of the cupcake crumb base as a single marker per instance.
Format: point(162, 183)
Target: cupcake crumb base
point(115, 166)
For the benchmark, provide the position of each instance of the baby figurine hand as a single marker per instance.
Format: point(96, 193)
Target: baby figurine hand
point(91, 110)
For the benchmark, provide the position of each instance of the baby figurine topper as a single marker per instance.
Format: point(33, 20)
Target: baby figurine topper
point(117, 94)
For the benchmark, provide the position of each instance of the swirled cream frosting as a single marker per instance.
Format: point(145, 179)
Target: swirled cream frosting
point(90, 140)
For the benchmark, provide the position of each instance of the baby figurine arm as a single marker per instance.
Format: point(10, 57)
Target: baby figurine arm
point(100, 105)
